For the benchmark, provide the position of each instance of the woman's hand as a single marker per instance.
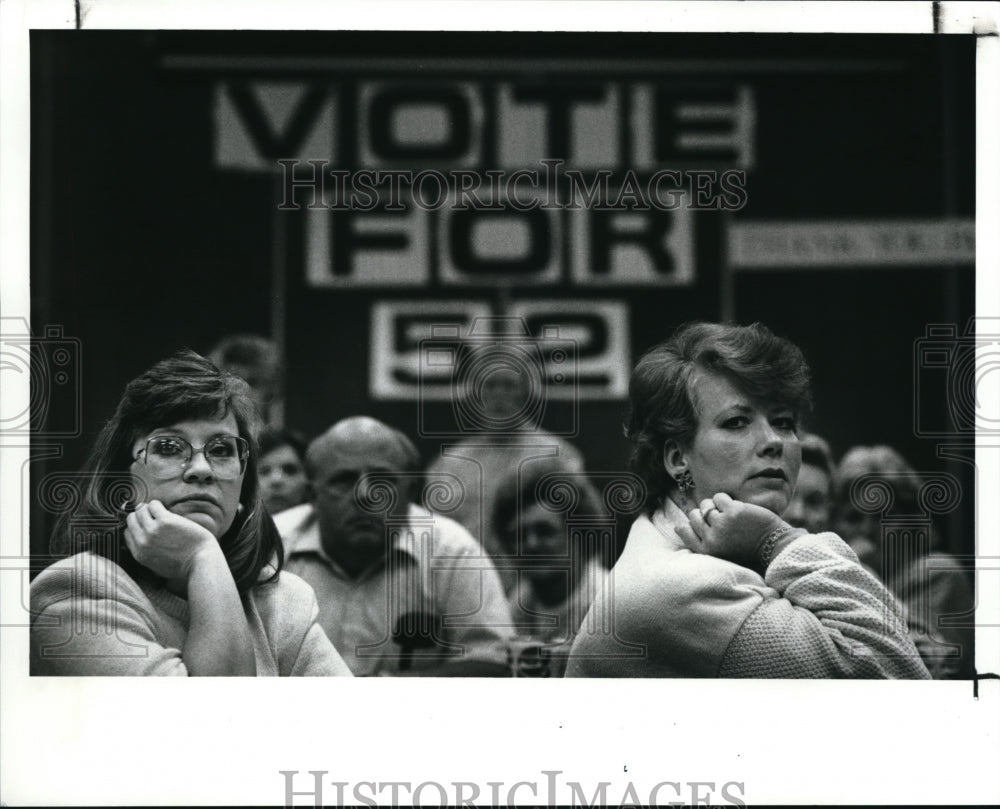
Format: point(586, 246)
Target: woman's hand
point(218, 641)
point(730, 529)
point(167, 543)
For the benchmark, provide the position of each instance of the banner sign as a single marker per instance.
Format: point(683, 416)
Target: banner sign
point(499, 247)
point(578, 350)
point(769, 245)
point(490, 123)
point(485, 181)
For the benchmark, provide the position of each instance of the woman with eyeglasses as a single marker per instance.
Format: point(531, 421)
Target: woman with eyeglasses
point(175, 565)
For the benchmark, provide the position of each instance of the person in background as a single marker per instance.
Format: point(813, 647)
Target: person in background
point(401, 591)
point(176, 565)
point(548, 517)
point(283, 480)
point(929, 582)
point(257, 361)
point(712, 581)
point(499, 400)
point(811, 506)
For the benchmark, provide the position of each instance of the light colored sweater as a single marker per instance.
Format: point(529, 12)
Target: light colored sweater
point(671, 612)
point(89, 617)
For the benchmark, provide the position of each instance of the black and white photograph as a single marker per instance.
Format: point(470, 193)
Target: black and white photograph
point(616, 390)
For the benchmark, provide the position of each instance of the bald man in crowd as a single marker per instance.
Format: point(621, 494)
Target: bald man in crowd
point(401, 591)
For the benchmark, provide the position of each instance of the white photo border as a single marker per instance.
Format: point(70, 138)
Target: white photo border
point(105, 741)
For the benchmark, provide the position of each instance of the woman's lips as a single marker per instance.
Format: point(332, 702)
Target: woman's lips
point(196, 502)
point(778, 474)
point(771, 477)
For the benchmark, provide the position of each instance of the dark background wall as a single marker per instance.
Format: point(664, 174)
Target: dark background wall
point(142, 243)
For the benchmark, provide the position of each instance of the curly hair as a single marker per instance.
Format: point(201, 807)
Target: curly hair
point(549, 481)
point(183, 387)
point(661, 397)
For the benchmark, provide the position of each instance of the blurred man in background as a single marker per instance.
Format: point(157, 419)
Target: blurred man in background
point(400, 590)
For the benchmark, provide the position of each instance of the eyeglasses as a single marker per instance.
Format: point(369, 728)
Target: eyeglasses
point(167, 456)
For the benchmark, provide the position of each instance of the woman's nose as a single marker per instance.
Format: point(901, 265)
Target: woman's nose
point(198, 467)
point(770, 441)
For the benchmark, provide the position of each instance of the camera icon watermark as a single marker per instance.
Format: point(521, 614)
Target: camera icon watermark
point(50, 405)
point(499, 378)
point(963, 368)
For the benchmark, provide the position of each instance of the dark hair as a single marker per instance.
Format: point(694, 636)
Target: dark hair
point(272, 439)
point(816, 452)
point(549, 481)
point(661, 403)
point(183, 387)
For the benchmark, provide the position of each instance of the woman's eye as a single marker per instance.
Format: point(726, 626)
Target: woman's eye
point(785, 423)
point(222, 449)
point(735, 423)
point(166, 446)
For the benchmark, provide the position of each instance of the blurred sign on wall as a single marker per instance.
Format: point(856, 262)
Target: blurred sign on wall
point(919, 242)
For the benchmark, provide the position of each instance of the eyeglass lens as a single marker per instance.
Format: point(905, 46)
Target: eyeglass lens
point(169, 455)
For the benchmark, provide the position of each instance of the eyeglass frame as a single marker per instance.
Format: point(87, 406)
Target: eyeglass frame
point(242, 445)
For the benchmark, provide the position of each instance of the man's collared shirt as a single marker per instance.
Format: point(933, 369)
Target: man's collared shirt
point(435, 597)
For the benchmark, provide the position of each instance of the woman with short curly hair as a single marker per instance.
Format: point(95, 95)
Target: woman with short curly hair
point(712, 581)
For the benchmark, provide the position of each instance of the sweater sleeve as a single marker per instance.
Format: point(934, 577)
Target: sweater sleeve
point(87, 621)
point(830, 618)
point(289, 610)
point(317, 656)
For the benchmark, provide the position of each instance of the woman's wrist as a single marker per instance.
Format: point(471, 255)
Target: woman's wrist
point(209, 556)
point(771, 543)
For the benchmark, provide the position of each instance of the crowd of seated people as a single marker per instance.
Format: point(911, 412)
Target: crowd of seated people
point(246, 549)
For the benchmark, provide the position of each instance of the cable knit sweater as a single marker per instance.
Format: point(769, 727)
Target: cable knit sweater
point(89, 617)
point(670, 612)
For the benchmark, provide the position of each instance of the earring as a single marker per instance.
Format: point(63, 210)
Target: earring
point(239, 509)
point(685, 482)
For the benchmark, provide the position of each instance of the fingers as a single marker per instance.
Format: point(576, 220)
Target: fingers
point(723, 501)
point(143, 517)
point(136, 533)
point(130, 541)
point(698, 524)
point(708, 510)
point(157, 510)
point(689, 537)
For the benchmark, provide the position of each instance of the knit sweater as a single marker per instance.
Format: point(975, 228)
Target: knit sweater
point(671, 612)
point(89, 617)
